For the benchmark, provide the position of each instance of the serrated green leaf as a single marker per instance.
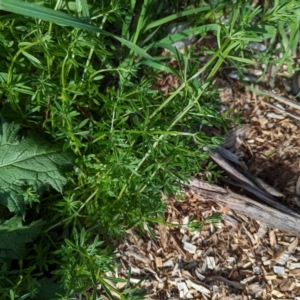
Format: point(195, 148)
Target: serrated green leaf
point(48, 290)
point(14, 236)
point(27, 161)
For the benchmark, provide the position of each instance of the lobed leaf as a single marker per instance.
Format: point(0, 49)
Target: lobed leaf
point(27, 161)
point(14, 236)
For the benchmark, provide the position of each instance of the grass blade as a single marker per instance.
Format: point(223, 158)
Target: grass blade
point(179, 15)
point(63, 19)
point(189, 32)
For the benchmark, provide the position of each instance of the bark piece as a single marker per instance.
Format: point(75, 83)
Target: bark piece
point(241, 180)
point(272, 217)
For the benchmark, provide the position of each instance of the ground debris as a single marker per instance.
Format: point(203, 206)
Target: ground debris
point(239, 257)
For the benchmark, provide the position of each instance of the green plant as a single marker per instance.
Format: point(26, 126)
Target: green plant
point(29, 166)
point(85, 74)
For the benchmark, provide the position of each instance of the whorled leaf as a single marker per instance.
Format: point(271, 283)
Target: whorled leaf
point(46, 14)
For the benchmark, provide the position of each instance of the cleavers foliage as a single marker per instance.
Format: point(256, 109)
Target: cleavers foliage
point(86, 74)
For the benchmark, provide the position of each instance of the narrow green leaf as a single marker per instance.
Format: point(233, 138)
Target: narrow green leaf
point(33, 59)
point(242, 59)
point(179, 15)
point(63, 19)
point(157, 66)
point(84, 7)
point(189, 32)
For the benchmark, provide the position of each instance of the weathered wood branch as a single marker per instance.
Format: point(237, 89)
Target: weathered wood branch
point(270, 216)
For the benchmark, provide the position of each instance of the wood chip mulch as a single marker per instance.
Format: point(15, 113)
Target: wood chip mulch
point(237, 257)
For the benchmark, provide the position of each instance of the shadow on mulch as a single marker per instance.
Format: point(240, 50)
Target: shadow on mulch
point(276, 173)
